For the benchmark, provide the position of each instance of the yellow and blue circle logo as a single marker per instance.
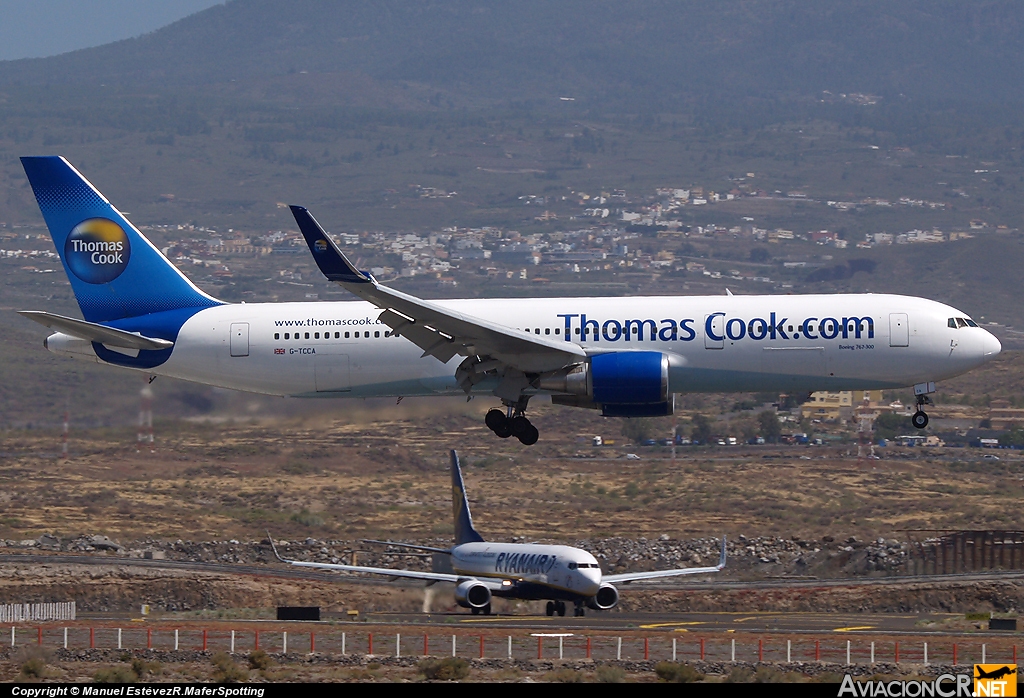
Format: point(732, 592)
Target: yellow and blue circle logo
point(97, 250)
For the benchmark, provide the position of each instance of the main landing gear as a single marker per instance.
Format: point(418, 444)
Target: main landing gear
point(922, 390)
point(486, 610)
point(555, 607)
point(512, 422)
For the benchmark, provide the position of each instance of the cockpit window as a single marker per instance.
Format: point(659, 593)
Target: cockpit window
point(951, 323)
point(961, 322)
point(971, 323)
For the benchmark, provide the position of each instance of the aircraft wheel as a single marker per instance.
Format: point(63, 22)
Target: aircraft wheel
point(520, 426)
point(530, 436)
point(476, 611)
point(550, 608)
point(919, 420)
point(504, 430)
point(561, 608)
point(487, 610)
point(495, 419)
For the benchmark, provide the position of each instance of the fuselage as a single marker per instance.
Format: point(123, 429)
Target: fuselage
point(714, 343)
point(555, 571)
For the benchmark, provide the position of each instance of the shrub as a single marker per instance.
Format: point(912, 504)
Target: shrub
point(565, 675)
point(227, 671)
point(141, 667)
point(121, 673)
point(260, 660)
point(609, 674)
point(447, 669)
point(677, 673)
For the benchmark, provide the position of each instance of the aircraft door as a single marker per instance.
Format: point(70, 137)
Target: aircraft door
point(239, 338)
point(331, 371)
point(899, 330)
point(714, 331)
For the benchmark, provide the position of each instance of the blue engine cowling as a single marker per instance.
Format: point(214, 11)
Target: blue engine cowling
point(631, 384)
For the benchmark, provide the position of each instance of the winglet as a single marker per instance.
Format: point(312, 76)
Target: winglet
point(331, 260)
point(274, 547)
point(721, 559)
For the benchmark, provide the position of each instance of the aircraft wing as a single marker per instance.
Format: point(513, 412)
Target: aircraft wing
point(657, 574)
point(383, 571)
point(94, 332)
point(446, 551)
point(442, 332)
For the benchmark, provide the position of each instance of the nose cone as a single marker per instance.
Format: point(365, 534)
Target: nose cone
point(991, 346)
point(593, 578)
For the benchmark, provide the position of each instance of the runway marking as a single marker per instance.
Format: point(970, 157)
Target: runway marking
point(506, 619)
point(852, 628)
point(650, 626)
point(740, 620)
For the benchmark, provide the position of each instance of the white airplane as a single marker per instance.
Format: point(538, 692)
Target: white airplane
point(529, 571)
point(626, 357)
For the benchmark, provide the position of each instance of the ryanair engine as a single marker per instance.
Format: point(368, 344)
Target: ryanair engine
point(620, 384)
point(472, 594)
point(606, 597)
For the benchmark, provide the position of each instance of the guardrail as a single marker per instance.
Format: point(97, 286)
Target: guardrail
point(536, 645)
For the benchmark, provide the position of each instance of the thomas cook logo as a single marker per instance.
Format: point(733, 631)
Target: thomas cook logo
point(320, 245)
point(97, 250)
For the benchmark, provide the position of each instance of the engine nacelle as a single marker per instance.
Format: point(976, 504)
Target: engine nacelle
point(622, 384)
point(606, 597)
point(472, 594)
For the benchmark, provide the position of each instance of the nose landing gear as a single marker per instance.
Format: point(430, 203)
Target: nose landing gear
point(922, 390)
point(512, 422)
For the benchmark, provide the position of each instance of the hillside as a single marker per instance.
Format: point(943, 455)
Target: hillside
point(599, 51)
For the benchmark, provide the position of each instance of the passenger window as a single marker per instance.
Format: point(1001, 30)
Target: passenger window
point(277, 335)
point(558, 330)
point(337, 335)
point(376, 334)
point(951, 323)
point(346, 335)
point(357, 335)
point(307, 335)
point(547, 330)
point(286, 336)
point(537, 331)
point(316, 335)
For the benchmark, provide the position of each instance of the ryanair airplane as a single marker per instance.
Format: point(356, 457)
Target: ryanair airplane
point(528, 571)
point(626, 357)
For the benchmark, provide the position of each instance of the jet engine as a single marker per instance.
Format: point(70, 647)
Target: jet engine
point(606, 597)
point(621, 384)
point(472, 594)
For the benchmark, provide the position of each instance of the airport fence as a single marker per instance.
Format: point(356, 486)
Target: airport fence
point(25, 612)
point(550, 646)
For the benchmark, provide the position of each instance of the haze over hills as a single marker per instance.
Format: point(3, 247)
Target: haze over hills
point(662, 51)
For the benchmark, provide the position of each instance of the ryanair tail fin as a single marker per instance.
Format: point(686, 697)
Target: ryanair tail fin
point(115, 272)
point(464, 531)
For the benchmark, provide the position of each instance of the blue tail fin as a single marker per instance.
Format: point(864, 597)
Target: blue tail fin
point(115, 272)
point(464, 531)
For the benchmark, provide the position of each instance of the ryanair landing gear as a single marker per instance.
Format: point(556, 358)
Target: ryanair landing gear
point(922, 390)
point(512, 422)
point(555, 607)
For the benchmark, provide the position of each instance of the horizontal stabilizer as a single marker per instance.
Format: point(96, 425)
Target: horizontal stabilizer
point(93, 332)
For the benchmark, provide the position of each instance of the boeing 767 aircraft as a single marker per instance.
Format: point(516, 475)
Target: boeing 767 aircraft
point(481, 570)
point(626, 357)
